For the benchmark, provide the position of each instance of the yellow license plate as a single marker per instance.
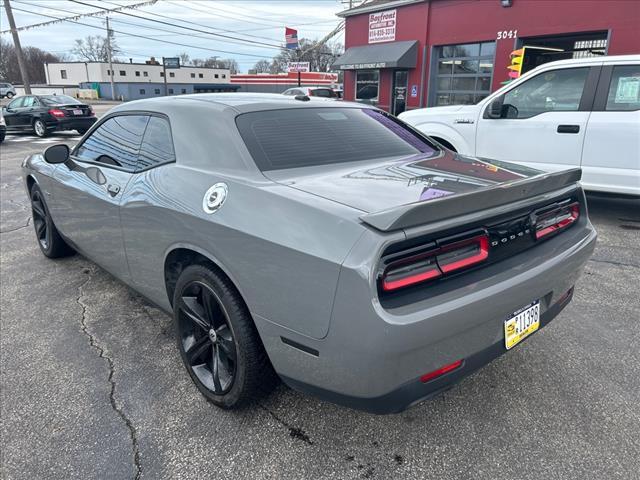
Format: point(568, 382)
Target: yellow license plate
point(521, 324)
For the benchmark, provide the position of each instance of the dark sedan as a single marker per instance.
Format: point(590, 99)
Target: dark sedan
point(43, 114)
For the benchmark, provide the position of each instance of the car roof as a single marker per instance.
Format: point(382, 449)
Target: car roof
point(239, 102)
point(592, 60)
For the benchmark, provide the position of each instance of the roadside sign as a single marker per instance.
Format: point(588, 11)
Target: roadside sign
point(171, 62)
point(298, 66)
point(414, 91)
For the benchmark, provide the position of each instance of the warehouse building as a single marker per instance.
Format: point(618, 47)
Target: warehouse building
point(138, 80)
point(404, 54)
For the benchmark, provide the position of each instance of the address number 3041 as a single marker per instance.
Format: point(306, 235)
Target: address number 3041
point(507, 34)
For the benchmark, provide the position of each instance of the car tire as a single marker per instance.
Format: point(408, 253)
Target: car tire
point(218, 341)
point(50, 242)
point(9, 95)
point(40, 128)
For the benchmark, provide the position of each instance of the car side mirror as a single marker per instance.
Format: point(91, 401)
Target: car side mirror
point(495, 108)
point(57, 154)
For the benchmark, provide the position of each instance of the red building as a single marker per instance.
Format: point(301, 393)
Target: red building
point(404, 54)
point(279, 82)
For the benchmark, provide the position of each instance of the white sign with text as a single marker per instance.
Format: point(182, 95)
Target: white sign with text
point(298, 66)
point(382, 26)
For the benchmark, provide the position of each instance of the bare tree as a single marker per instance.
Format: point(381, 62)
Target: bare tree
point(185, 59)
point(262, 66)
point(215, 62)
point(34, 59)
point(94, 49)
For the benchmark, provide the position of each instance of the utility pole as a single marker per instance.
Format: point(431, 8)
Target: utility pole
point(113, 91)
point(16, 42)
point(164, 75)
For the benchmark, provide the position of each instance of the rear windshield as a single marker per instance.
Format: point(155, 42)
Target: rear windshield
point(305, 137)
point(49, 100)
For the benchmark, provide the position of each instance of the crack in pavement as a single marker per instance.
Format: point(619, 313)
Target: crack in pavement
point(295, 432)
point(613, 262)
point(17, 228)
point(114, 405)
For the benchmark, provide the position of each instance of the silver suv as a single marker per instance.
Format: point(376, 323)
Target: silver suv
point(7, 90)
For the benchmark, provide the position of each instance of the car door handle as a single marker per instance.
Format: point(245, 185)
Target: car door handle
point(113, 190)
point(568, 128)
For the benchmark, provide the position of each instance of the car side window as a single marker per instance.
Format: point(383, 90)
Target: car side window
point(555, 90)
point(157, 144)
point(29, 102)
point(288, 92)
point(624, 90)
point(17, 103)
point(322, 92)
point(115, 143)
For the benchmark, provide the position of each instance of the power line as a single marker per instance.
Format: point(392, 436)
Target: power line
point(145, 37)
point(180, 26)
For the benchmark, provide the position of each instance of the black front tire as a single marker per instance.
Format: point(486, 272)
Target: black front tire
point(9, 95)
point(50, 242)
point(248, 374)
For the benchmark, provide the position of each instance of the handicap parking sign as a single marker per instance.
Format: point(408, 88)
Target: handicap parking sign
point(414, 90)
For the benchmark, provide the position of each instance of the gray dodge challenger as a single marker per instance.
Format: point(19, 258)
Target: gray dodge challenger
point(326, 244)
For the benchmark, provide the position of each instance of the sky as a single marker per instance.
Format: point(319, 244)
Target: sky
point(260, 23)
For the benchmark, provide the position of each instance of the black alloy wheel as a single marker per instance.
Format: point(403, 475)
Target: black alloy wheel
point(217, 339)
point(207, 337)
point(50, 242)
point(40, 219)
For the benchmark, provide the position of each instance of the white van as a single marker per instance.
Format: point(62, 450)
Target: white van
point(571, 113)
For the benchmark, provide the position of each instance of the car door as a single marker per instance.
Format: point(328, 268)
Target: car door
point(145, 209)
point(88, 190)
point(542, 121)
point(611, 153)
point(12, 112)
point(25, 114)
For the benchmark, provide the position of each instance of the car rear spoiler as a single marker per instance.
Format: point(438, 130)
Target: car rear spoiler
point(419, 213)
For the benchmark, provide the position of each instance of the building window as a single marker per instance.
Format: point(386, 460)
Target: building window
point(193, 75)
point(224, 75)
point(63, 74)
point(463, 73)
point(216, 75)
point(184, 90)
point(590, 48)
point(123, 73)
point(157, 91)
point(108, 72)
point(145, 74)
point(137, 74)
point(200, 75)
point(171, 91)
point(172, 74)
point(142, 91)
point(367, 84)
point(162, 74)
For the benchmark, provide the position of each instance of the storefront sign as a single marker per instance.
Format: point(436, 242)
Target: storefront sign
point(363, 66)
point(382, 26)
point(298, 67)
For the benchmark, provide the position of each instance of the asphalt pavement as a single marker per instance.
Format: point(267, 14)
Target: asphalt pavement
point(92, 385)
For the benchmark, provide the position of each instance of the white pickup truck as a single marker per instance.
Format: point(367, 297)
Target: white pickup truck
point(570, 113)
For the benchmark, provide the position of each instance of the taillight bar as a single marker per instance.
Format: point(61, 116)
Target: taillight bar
point(555, 220)
point(441, 371)
point(440, 261)
point(56, 112)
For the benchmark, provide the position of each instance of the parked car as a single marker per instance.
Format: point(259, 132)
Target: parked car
point(7, 90)
point(44, 114)
point(3, 128)
point(571, 113)
point(374, 270)
point(320, 92)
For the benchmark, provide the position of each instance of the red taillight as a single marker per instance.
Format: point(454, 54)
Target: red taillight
point(441, 371)
point(464, 254)
point(56, 113)
point(436, 263)
point(550, 222)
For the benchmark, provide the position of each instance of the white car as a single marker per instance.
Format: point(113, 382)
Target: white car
point(570, 113)
point(315, 92)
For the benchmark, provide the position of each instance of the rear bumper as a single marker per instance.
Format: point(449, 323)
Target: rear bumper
point(71, 123)
point(415, 391)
